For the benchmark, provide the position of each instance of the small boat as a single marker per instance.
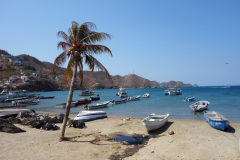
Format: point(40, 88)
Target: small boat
point(154, 122)
point(19, 94)
point(173, 91)
point(120, 91)
point(118, 101)
point(86, 93)
point(96, 106)
point(134, 98)
point(7, 112)
point(90, 115)
point(216, 120)
point(95, 97)
point(83, 101)
point(19, 106)
point(4, 92)
point(26, 101)
point(49, 97)
point(188, 99)
point(123, 95)
point(199, 106)
point(146, 95)
point(63, 105)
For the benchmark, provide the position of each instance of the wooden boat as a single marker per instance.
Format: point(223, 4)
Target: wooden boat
point(118, 101)
point(7, 112)
point(120, 91)
point(63, 105)
point(26, 102)
point(123, 95)
point(216, 120)
point(83, 101)
point(146, 95)
point(134, 98)
point(96, 106)
point(90, 115)
point(188, 99)
point(86, 93)
point(49, 97)
point(95, 97)
point(154, 122)
point(199, 106)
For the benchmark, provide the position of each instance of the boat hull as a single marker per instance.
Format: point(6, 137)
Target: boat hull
point(90, 115)
point(152, 125)
point(96, 106)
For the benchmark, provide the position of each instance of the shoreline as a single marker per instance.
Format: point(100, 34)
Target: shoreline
point(193, 139)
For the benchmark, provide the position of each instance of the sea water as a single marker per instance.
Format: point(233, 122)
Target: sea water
point(224, 100)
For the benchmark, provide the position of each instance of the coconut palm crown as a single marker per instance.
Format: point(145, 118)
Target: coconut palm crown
point(79, 47)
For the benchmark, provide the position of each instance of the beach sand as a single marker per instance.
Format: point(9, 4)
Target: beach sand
point(193, 139)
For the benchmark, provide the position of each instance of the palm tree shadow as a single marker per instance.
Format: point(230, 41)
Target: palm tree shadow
point(161, 130)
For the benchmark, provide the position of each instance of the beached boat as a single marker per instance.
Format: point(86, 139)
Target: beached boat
point(95, 97)
point(96, 106)
point(173, 91)
point(90, 115)
point(83, 101)
point(154, 122)
point(146, 95)
point(48, 97)
point(134, 98)
point(199, 106)
point(86, 93)
point(63, 105)
point(118, 101)
point(216, 120)
point(188, 99)
point(13, 112)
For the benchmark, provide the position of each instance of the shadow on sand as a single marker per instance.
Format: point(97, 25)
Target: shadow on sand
point(161, 130)
point(230, 129)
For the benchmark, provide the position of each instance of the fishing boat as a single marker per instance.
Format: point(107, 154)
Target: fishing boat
point(216, 120)
point(90, 115)
point(173, 91)
point(44, 97)
point(120, 91)
point(26, 102)
point(199, 106)
point(19, 106)
point(118, 101)
point(19, 94)
point(7, 112)
point(134, 98)
point(95, 97)
point(146, 95)
point(4, 92)
point(154, 122)
point(123, 94)
point(188, 99)
point(63, 105)
point(83, 101)
point(96, 106)
point(86, 93)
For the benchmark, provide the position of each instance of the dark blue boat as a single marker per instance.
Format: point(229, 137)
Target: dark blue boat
point(216, 120)
point(95, 97)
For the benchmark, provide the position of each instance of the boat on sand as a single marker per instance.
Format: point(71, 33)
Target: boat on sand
point(90, 115)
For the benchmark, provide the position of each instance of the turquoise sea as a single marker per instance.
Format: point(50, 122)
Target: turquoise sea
point(224, 100)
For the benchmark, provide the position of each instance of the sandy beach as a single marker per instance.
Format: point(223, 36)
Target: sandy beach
point(193, 139)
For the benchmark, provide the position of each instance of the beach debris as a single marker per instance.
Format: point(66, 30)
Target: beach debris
point(171, 132)
point(152, 152)
point(24, 114)
point(76, 124)
point(14, 120)
point(127, 119)
point(6, 126)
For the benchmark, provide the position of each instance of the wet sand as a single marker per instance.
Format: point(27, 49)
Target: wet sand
point(193, 139)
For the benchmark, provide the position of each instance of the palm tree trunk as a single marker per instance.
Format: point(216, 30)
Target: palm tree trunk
point(69, 100)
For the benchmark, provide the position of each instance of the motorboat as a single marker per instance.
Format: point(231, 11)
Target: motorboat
point(121, 90)
point(146, 95)
point(4, 92)
point(83, 101)
point(123, 95)
point(64, 105)
point(153, 122)
point(26, 102)
point(46, 97)
point(199, 106)
point(95, 97)
point(188, 99)
point(173, 91)
point(118, 101)
point(90, 115)
point(7, 112)
point(17, 94)
point(96, 106)
point(134, 98)
point(216, 120)
point(86, 93)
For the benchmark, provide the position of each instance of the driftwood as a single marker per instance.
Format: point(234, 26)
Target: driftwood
point(6, 126)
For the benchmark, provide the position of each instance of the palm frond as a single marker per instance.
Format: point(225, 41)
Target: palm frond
point(64, 45)
point(96, 37)
point(59, 61)
point(97, 49)
point(64, 35)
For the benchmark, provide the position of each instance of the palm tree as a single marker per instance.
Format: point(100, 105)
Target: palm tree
point(79, 47)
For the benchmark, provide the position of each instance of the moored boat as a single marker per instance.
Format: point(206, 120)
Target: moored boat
point(188, 99)
point(134, 98)
point(90, 115)
point(83, 101)
point(86, 93)
point(4, 92)
point(118, 101)
point(216, 120)
point(146, 95)
point(96, 106)
point(173, 91)
point(153, 122)
point(199, 106)
point(46, 97)
point(95, 97)
point(63, 105)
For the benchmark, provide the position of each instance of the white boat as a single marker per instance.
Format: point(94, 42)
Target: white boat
point(134, 98)
point(188, 99)
point(154, 122)
point(146, 95)
point(86, 93)
point(7, 112)
point(96, 106)
point(120, 91)
point(90, 115)
point(173, 91)
point(26, 101)
point(18, 94)
point(63, 105)
point(199, 106)
point(118, 101)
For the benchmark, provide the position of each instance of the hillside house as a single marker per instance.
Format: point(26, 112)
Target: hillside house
point(5, 57)
point(14, 77)
point(24, 63)
point(36, 75)
point(17, 63)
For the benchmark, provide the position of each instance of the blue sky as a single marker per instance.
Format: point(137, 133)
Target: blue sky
point(181, 40)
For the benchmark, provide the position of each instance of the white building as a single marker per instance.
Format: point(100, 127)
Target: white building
point(14, 77)
point(36, 74)
point(17, 63)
